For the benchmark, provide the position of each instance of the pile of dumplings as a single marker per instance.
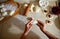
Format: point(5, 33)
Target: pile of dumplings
point(7, 10)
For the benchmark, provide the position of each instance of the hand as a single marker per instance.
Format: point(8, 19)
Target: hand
point(29, 24)
point(48, 34)
point(27, 29)
point(40, 25)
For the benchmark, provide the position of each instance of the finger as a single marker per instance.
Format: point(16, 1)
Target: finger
point(41, 23)
point(40, 26)
point(30, 20)
point(29, 23)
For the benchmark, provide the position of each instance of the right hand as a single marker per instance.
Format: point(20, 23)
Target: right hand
point(41, 25)
point(43, 29)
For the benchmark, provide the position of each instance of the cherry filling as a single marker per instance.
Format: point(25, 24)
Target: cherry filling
point(48, 15)
point(56, 10)
point(45, 11)
point(48, 21)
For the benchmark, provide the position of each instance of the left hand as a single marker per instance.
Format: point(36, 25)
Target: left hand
point(29, 24)
point(27, 28)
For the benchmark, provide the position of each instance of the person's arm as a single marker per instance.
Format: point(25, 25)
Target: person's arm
point(48, 34)
point(27, 29)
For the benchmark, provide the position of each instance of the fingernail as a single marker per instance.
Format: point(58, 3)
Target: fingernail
point(38, 19)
